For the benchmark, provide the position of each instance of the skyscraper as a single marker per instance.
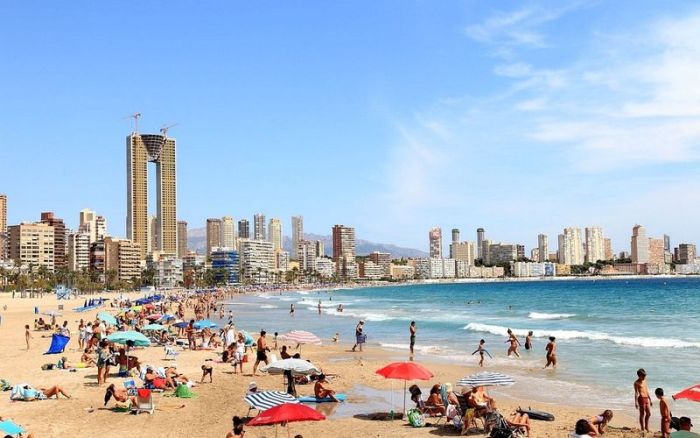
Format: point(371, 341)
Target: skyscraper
point(259, 226)
point(78, 251)
point(59, 239)
point(640, 245)
point(542, 247)
point(214, 227)
point(243, 229)
point(32, 245)
point(344, 251)
point(667, 243)
point(607, 249)
point(140, 150)
point(479, 243)
point(274, 233)
point(435, 238)
point(228, 230)
point(297, 235)
point(571, 247)
point(152, 234)
point(3, 227)
point(181, 239)
point(595, 244)
point(455, 235)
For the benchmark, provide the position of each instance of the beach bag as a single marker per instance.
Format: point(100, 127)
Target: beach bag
point(415, 418)
point(183, 391)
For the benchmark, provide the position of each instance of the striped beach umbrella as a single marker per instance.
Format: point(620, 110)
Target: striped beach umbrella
point(302, 337)
point(486, 379)
point(268, 399)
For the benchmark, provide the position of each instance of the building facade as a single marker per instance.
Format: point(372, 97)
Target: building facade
point(464, 251)
point(32, 244)
point(226, 262)
point(3, 227)
point(297, 234)
point(124, 257)
point(542, 247)
point(274, 233)
point(687, 253)
point(259, 227)
point(214, 234)
point(435, 239)
point(595, 245)
point(640, 245)
point(499, 253)
point(228, 232)
point(59, 239)
point(78, 251)
point(181, 239)
point(256, 260)
point(243, 229)
point(571, 247)
point(480, 237)
point(344, 251)
point(382, 259)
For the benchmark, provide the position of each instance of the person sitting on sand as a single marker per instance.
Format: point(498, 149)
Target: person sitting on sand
point(284, 354)
point(519, 420)
point(583, 429)
point(600, 422)
point(237, 428)
point(127, 363)
point(87, 359)
point(684, 424)
point(121, 396)
point(174, 378)
point(480, 401)
point(321, 391)
point(434, 403)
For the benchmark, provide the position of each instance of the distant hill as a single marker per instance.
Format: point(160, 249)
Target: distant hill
point(197, 240)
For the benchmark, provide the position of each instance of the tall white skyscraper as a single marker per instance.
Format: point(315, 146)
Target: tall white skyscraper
point(571, 247)
point(435, 238)
point(479, 243)
point(259, 227)
point(228, 232)
point(297, 235)
point(595, 244)
point(274, 233)
point(640, 245)
point(542, 248)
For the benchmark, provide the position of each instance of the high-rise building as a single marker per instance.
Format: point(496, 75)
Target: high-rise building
point(344, 251)
point(140, 150)
point(97, 257)
point(455, 235)
point(607, 245)
point(152, 234)
point(95, 226)
point(686, 253)
point(307, 255)
point(656, 255)
point(382, 259)
point(259, 226)
point(520, 252)
point(59, 239)
point(124, 257)
point(274, 233)
point(297, 234)
point(595, 244)
point(535, 254)
point(101, 227)
point(640, 245)
point(435, 238)
point(243, 229)
point(32, 244)
point(571, 247)
point(500, 253)
point(257, 260)
point(542, 247)
point(228, 230)
point(78, 251)
point(225, 262)
point(3, 227)
point(667, 243)
point(479, 243)
point(181, 239)
point(320, 248)
point(463, 251)
point(214, 233)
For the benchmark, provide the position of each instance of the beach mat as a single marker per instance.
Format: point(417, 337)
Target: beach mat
point(312, 399)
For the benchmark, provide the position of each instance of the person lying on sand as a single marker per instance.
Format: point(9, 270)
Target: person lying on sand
point(121, 396)
point(583, 429)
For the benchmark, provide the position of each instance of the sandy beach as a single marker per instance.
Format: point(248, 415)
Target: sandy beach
point(209, 414)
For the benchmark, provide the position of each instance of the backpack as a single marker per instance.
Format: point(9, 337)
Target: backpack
point(415, 418)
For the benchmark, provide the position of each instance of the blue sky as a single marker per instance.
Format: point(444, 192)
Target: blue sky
point(392, 116)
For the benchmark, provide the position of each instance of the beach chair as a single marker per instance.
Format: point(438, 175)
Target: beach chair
point(170, 353)
point(144, 401)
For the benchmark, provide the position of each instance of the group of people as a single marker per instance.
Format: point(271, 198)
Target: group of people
point(643, 402)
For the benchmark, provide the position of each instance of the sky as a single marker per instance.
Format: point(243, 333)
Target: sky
point(522, 117)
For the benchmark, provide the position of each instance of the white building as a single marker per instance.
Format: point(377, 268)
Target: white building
point(325, 267)
point(78, 251)
point(297, 234)
point(640, 245)
point(533, 269)
point(595, 244)
point(256, 260)
point(274, 233)
point(168, 271)
point(281, 260)
point(228, 232)
point(571, 247)
point(371, 271)
point(306, 253)
point(402, 272)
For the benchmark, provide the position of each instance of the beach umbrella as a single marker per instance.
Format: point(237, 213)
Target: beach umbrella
point(157, 327)
point(268, 399)
point(106, 317)
point(138, 339)
point(10, 427)
point(296, 366)
point(302, 337)
point(405, 371)
point(692, 393)
point(486, 379)
point(286, 413)
point(204, 323)
point(154, 317)
point(167, 317)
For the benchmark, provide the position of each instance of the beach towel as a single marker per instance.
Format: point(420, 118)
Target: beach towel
point(58, 344)
point(10, 427)
point(183, 391)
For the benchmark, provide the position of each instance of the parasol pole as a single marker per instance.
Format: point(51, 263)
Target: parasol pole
point(404, 397)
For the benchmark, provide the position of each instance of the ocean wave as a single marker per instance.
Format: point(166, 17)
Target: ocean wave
point(367, 316)
point(269, 306)
point(423, 349)
point(538, 315)
point(594, 336)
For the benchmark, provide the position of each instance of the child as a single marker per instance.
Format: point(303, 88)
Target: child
point(274, 340)
point(481, 350)
point(642, 401)
point(27, 335)
point(336, 338)
point(207, 370)
point(665, 413)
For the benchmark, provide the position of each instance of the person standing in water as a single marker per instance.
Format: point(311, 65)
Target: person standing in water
point(642, 401)
point(551, 352)
point(291, 309)
point(481, 350)
point(412, 331)
point(528, 340)
point(319, 307)
point(359, 335)
point(514, 343)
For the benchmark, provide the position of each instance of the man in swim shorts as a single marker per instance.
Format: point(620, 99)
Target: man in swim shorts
point(642, 401)
point(412, 331)
point(261, 355)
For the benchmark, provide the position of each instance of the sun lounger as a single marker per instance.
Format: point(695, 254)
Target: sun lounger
point(144, 401)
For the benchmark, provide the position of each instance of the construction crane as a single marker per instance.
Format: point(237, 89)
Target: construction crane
point(134, 116)
point(164, 129)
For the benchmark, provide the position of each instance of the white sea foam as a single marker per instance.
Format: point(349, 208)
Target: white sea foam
point(594, 336)
point(422, 349)
point(269, 306)
point(537, 315)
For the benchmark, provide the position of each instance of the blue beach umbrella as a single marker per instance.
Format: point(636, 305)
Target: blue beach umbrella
point(204, 323)
point(106, 317)
point(138, 339)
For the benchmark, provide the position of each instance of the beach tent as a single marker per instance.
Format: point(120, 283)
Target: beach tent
point(58, 344)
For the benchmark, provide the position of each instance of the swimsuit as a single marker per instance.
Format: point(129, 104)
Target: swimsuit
point(643, 401)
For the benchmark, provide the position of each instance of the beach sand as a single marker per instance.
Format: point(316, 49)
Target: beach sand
point(209, 414)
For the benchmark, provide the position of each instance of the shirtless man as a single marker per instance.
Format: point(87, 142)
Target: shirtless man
point(514, 343)
point(321, 391)
point(412, 331)
point(642, 401)
point(551, 352)
point(261, 355)
point(528, 340)
point(665, 412)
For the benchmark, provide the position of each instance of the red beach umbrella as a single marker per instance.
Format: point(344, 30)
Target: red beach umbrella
point(154, 317)
point(286, 413)
point(405, 371)
point(692, 393)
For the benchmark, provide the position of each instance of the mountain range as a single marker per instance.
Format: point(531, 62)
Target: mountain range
point(197, 241)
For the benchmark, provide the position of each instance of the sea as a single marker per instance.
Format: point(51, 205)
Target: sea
point(605, 330)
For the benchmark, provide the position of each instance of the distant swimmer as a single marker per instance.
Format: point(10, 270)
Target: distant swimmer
point(319, 307)
point(481, 350)
point(528, 340)
point(291, 309)
point(514, 343)
point(551, 352)
point(340, 308)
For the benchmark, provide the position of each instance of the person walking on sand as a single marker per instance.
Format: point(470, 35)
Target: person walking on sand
point(551, 352)
point(261, 355)
point(412, 330)
point(27, 335)
point(514, 343)
point(359, 335)
point(642, 401)
point(665, 412)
